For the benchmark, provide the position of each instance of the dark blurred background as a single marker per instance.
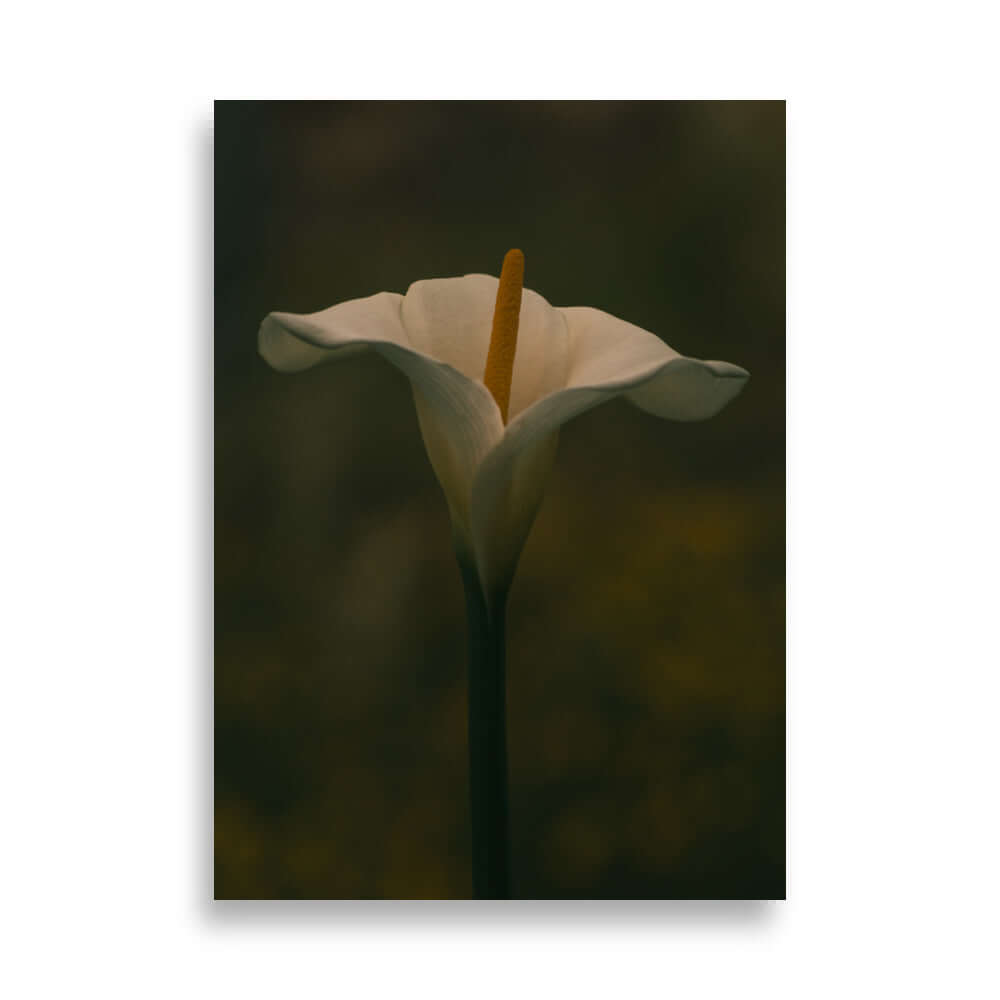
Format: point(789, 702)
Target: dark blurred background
point(646, 622)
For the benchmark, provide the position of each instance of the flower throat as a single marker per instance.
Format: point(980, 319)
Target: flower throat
point(503, 339)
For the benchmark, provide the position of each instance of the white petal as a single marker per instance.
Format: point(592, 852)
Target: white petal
point(451, 319)
point(567, 361)
point(458, 417)
point(607, 357)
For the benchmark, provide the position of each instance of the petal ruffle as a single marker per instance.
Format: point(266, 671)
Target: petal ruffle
point(458, 417)
point(609, 354)
point(290, 342)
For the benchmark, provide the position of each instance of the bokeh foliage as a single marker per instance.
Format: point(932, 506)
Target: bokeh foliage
point(646, 623)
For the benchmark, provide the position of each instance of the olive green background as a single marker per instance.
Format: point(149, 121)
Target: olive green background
point(646, 623)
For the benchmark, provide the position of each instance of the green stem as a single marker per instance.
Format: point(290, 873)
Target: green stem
point(487, 738)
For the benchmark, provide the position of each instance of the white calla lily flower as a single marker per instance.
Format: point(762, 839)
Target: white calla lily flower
point(496, 371)
point(567, 361)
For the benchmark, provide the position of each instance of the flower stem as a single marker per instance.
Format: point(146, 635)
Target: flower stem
point(487, 738)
